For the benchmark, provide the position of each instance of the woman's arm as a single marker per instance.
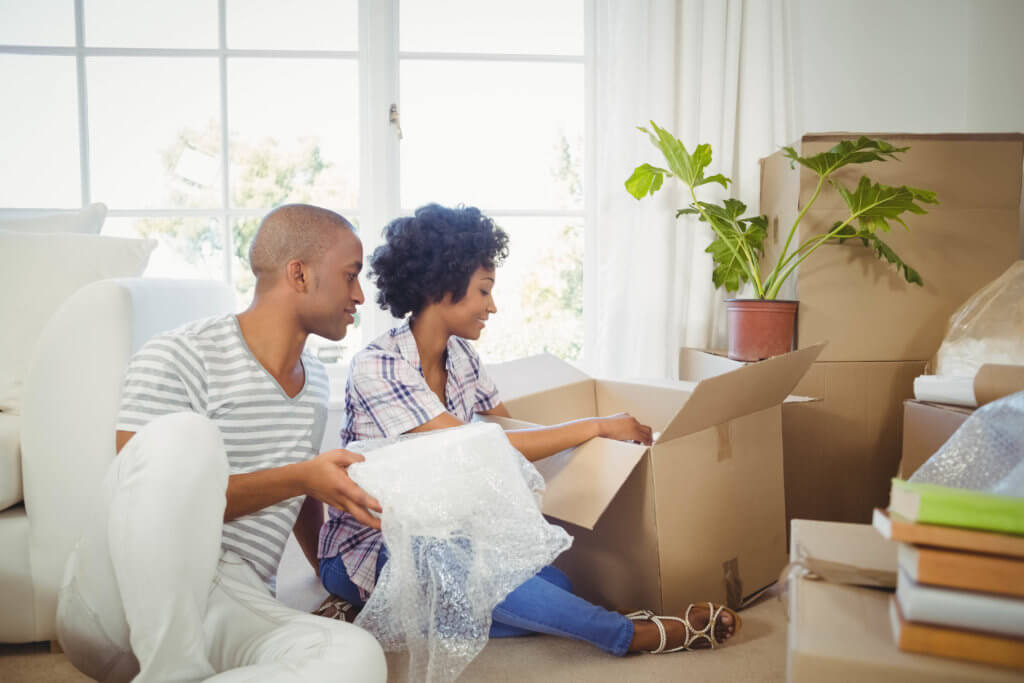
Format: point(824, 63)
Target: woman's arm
point(499, 411)
point(540, 442)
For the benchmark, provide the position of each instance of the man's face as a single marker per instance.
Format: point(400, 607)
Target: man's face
point(335, 291)
point(466, 317)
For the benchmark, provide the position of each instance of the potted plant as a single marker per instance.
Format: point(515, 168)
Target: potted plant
point(764, 326)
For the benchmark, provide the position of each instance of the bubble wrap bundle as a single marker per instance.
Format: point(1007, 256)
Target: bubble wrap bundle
point(463, 528)
point(985, 454)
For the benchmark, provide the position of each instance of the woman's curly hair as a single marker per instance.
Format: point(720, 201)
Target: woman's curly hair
point(432, 253)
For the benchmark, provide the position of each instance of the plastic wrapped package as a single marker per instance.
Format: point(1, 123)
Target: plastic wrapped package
point(463, 528)
point(987, 328)
point(985, 454)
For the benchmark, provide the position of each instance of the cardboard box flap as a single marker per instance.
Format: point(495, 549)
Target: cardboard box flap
point(532, 375)
point(996, 381)
point(740, 392)
point(582, 481)
point(697, 364)
point(845, 553)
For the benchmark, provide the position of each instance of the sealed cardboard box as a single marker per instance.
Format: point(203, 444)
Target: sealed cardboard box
point(700, 515)
point(842, 633)
point(841, 450)
point(926, 426)
point(860, 304)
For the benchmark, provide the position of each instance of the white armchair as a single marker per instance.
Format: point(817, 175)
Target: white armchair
point(67, 429)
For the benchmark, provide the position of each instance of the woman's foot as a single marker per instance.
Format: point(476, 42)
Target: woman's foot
point(647, 637)
point(334, 607)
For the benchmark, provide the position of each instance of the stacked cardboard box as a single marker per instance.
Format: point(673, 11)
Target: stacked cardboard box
point(699, 515)
point(928, 425)
point(841, 452)
point(843, 631)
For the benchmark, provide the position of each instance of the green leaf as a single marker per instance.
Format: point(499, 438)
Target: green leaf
point(756, 231)
point(724, 217)
point(873, 205)
point(717, 178)
point(881, 249)
point(688, 210)
point(728, 269)
point(859, 151)
point(730, 232)
point(646, 179)
point(689, 168)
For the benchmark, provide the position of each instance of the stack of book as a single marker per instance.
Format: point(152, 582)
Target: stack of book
point(960, 589)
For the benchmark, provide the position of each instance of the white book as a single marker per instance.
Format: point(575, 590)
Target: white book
point(959, 609)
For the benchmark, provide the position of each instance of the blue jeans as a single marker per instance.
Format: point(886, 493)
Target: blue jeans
point(543, 604)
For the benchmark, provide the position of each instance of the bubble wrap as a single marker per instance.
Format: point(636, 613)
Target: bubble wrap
point(985, 454)
point(463, 528)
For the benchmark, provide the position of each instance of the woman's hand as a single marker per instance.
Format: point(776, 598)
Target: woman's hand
point(624, 427)
point(326, 479)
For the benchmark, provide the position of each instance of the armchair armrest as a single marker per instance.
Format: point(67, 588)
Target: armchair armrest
point(71, 400)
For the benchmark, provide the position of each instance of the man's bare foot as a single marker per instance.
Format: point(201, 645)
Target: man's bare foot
point(646, 635)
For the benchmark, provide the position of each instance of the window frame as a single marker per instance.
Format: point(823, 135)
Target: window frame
point(378, 60)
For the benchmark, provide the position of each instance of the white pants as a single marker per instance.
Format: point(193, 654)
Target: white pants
point(149, 593)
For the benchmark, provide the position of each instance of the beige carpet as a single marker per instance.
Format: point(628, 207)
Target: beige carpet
point(758, 655)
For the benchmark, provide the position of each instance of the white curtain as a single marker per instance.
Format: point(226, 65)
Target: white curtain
point(711, 71)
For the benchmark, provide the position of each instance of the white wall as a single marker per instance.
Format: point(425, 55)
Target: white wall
point(907, 65)
point(995, 63)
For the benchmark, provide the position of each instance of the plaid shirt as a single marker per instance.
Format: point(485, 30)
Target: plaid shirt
point(387, 395)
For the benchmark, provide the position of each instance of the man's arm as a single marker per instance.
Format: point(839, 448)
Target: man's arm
point(324, 478)
point(307, 530)
point(123, 438)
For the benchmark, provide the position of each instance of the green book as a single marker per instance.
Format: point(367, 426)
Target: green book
point(948, 506)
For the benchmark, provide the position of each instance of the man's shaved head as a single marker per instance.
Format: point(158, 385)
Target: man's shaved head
point(293, 232)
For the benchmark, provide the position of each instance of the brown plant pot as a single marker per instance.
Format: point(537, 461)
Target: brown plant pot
point(760, 329)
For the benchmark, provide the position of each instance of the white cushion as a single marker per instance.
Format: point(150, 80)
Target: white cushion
point(72, 393)
point(18, 621)
point(37, 273)
point(87, 221)
point(10, 460)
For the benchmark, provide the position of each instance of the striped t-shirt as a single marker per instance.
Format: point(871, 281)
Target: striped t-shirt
point(206, 367)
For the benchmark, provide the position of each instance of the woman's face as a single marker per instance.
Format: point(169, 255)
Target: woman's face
point(466, 317)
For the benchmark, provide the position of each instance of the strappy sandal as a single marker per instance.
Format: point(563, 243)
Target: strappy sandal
point(334, 607)
point(692, 634)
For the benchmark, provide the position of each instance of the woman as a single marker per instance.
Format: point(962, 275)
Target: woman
point(439, 266)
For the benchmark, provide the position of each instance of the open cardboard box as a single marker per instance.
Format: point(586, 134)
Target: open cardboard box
point(841, 447)
point(700, 515)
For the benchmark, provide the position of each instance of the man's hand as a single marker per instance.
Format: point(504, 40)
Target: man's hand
point(326, 479)
point(624, 427)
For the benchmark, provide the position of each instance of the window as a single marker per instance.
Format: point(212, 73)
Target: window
point(192, 119)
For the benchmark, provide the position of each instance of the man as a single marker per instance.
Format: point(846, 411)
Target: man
point(173, 578)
